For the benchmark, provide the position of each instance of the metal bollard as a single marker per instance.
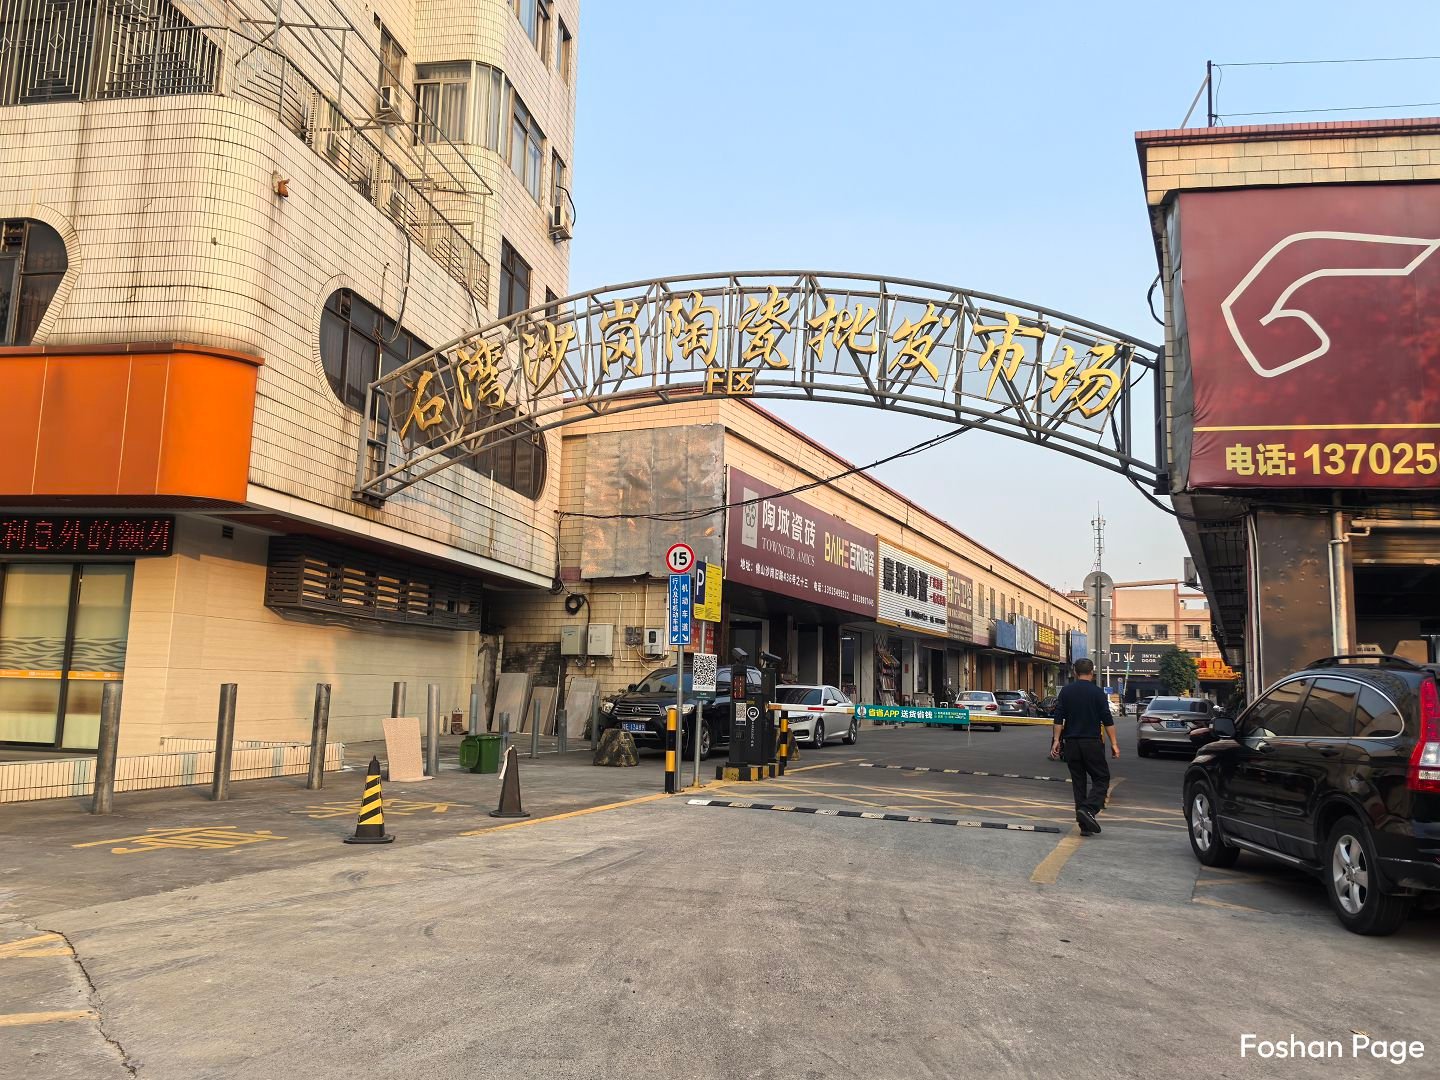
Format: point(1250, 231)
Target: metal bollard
point(535, 732)
point(784, 747)
point(672, 770)
point(224, 743)
point(107, 751)
point(432, 730)
point(504, 721)
point(319, 730)
point(562, 737)
point(474, 710)
point(397, 699)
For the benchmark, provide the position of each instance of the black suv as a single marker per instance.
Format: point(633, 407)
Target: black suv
point(1335, 770)
point(641, 710)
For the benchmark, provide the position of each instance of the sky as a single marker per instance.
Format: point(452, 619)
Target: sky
point(989, 147)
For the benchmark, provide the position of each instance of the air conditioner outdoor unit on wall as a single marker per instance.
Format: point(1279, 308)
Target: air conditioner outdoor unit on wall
point(655, 645)
point(560, 222)
point(389, 103)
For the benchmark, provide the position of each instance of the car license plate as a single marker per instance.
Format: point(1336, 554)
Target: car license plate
point(635, 725)
point(1177, 725)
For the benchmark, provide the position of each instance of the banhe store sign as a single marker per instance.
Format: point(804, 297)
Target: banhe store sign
point(912, 591)
point(780, 544)
point(1314, 335)
point(961, 616)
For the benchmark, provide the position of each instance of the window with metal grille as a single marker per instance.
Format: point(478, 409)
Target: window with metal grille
point(32, 262)
point(86, 50)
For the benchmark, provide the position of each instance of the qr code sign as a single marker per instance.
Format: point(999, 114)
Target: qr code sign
point(704, 668)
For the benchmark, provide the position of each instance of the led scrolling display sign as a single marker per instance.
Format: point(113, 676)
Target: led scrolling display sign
point(87, 535)
point(925, 349)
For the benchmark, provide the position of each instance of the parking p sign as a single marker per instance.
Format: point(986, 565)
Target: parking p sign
point(679, 607)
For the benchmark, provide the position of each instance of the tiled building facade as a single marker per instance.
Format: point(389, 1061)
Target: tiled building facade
point(203, 222)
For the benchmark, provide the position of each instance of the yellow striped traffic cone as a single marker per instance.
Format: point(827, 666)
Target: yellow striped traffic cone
point(370, 827)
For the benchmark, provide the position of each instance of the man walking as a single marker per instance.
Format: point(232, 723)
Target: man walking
point(1082, 715)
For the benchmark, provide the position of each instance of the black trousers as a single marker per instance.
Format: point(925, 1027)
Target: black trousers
point(1089, 773)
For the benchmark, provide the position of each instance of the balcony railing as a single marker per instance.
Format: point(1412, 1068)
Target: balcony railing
point(99, 50)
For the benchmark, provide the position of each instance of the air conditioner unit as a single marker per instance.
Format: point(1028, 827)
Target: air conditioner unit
point(655, 644)
point(560, 222)
point(389, 103)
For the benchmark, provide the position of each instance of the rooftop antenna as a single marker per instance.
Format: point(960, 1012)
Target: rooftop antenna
point(1098, 523)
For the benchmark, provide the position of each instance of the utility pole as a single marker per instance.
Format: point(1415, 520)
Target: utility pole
point(1098, 524)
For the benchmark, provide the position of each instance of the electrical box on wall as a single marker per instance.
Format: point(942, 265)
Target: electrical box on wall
point(602, 640)
point(655, 644)
point(572, 641)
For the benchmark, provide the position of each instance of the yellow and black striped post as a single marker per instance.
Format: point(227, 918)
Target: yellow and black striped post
point(370, 827)
point(672, 774)
point(784, 741)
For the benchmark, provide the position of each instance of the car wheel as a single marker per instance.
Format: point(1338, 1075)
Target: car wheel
point(1355, 892)
point(819, 739)
point(1142, 749)
point(1204, 828)
point(853, 735)
point(706, 740)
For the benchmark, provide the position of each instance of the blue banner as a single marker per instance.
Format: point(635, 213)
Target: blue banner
point(912, 714)
point(1079, 646)
point(680, 609)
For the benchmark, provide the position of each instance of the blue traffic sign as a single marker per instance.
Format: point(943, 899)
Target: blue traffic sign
point(680, 609)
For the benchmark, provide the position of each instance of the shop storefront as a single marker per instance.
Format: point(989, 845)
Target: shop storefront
point(65, 595)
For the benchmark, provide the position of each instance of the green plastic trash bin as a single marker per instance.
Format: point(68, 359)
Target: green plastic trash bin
point(480, 753)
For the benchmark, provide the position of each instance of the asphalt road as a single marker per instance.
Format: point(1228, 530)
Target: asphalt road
point(678, 937)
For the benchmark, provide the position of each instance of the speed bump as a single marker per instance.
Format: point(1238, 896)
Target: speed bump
point(870, 815)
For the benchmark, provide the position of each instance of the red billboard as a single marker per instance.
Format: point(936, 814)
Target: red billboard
point(783, 545)
point(1313, 319)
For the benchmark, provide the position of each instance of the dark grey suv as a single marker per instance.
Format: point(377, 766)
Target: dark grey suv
point(1336, 770)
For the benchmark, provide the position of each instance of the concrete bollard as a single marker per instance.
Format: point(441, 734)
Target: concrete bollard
point(224, 743)
point(107, 750)
point(319, 732)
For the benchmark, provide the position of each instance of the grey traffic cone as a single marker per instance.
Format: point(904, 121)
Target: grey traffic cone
point(510, 788)
point(370, 825)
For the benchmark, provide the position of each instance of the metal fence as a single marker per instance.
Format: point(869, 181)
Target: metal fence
point(363, 122)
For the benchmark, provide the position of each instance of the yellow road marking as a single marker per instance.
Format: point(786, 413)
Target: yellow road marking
point(40, 945)
point(1048, 872)
point(1220, 881)
point(196, 838)
point(570, 814)
point(21, 1019)
point(807, 768)
point(1221, 904)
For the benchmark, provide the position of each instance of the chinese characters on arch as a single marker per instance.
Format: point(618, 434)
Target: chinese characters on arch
point(839, 337)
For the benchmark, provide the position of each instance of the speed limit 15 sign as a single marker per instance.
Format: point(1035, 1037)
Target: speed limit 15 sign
point(680, 559)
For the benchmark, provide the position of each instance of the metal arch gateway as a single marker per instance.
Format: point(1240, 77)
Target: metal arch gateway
point(929, 350)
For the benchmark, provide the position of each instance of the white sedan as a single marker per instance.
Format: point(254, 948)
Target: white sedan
point(983, 705)
point(818, 714)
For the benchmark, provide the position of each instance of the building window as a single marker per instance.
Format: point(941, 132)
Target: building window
point(32, 262)
point(1130, 630)
point(541, 37)
point(565, 57)
point(1161, 631)
point(1192, 630)
point(559, 180)
point(528, 12)
point(392, 58)
point(359, 343)
point(551, 308)
point(442, 92)
point(527, 146)
point(514, 281)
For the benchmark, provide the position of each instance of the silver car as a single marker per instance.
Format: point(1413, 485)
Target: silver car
point(818, 714)
point(1166, 722)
